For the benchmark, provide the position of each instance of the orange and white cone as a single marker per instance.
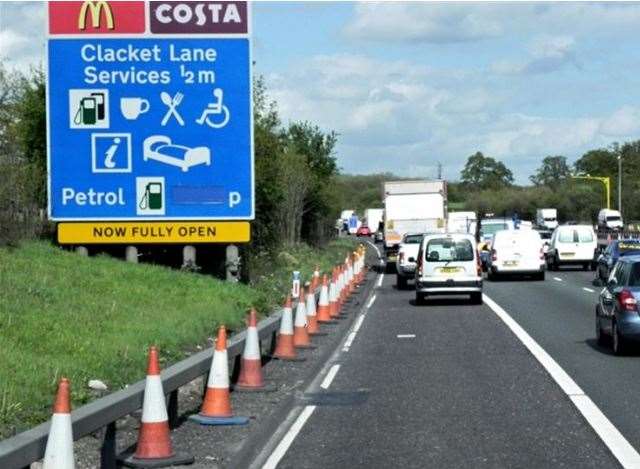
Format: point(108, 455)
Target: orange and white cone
point(315, 279)
point(313, 328)
point(285, 349)
point(251, 377)
point(323, 313)
point(301, 337)
point(59, 451)
point(333, 296)
point(154, 438)
point(216, 407)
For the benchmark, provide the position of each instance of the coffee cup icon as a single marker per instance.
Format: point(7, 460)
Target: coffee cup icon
point(131, 108)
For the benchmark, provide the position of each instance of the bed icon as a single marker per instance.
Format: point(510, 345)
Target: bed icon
point(160, 148)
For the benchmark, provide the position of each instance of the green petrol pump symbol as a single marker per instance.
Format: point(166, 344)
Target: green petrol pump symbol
point(152, 199)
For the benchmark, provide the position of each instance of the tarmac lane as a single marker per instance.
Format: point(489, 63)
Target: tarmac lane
point(442, 385)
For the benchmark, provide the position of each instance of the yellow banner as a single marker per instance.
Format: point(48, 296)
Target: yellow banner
point(154, 232)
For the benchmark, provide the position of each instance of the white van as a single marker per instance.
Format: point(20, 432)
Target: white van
point(516, 252)
point(448, 264)
point(610, 219)
point(571, 245)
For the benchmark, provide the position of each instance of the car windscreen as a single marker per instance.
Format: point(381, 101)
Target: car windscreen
point(614, 218)
point(412, 239)
point(545, 234)
point(448, 250)
point(549, 219)
point(634, 275)
point(492, 228)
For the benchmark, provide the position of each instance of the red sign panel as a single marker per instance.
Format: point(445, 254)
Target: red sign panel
point(96, 17)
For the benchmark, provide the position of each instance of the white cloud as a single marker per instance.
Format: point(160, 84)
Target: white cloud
point(547, 54)
point(22, 33)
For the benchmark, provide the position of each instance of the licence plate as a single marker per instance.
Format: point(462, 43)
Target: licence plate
point(510, 263)
point(450, 270)
point(568, 254)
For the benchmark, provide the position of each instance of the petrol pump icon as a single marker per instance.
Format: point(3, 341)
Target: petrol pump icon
point(89, 109)
point(150, 196)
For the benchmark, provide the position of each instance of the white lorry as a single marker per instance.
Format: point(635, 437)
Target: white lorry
point(412, 207)
point(373, 217)
point(610, 219)
point(547, 218)
point(462, 222)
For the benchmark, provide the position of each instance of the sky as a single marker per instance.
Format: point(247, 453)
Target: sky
point(410, 85)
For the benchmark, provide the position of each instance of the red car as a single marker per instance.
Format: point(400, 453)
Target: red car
point(363, 231)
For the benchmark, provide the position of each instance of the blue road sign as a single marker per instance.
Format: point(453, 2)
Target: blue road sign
point(150, 128)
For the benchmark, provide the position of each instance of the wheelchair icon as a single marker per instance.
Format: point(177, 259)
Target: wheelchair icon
point(216, 115)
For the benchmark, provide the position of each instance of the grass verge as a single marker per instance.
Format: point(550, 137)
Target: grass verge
point(93, 318)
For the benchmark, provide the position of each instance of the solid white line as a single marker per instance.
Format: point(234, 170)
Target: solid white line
point(373, 298)
point(588, 289)
point(373, 246)
point(406, 336)
point(356, 328)
point(329, 378)
point(608, 433)
point(380, 280)
point(558, 279)
point(285, 443)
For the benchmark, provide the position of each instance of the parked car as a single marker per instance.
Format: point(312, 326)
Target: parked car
point(572, 245)
point(616, 249)
point(617, 314)
point(407, 255)
point(363, 231)
point(516, 252)
point(448, 264)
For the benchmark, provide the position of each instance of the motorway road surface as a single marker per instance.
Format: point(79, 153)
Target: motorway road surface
point(450, 385)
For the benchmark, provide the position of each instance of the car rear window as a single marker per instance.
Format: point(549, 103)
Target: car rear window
point(634, 275)
point(448, 250)
point(575, 236)
point(492, 228)
point(413, 239)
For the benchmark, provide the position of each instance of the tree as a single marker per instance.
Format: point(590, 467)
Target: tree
point(484, 172)
point(552, 172)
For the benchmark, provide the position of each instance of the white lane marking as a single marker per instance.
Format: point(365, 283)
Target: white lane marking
point(380, 280)
point(285, 443)
point(329, 378)
point(373, 246)
point(373, 298)
point(349, 341)
point(588, 289)
point(608, 433)
point(557, 279)
point(406, 336)
point(356, 328)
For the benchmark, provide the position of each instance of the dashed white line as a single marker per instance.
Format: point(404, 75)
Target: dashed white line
point(285, 443)
point(373, 298)
point(588, 289)
point(380, 280)
point(608, 433)
point(356, 328)
point(406, 336)
point(329, 378)
point(349, 341)
point(557, 279)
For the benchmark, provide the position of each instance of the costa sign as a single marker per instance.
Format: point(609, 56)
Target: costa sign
point(96, 17)
point(199, 17)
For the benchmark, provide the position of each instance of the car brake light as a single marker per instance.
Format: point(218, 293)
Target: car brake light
point(400, 256)
point(541, 254)
point(419, 265)
point(478, 264)
point(627, 301)
point(494, 255)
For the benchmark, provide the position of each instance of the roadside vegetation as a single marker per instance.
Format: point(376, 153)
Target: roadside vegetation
point(93, 318)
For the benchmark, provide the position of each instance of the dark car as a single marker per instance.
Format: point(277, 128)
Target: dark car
point(616, 249)
point(617, 314)
point(363, 231)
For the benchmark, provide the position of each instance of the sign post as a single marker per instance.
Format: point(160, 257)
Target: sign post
point(150, 120)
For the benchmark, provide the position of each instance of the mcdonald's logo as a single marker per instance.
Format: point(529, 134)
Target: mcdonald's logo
point(97, 17)
point(95, 9)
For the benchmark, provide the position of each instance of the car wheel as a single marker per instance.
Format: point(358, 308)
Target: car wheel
point(420, 298)
point(541, 276)
point(401, 282)
point(592, 266)
point(556, 263)
point(476, 298)
point(618, 342)
point(586, 266)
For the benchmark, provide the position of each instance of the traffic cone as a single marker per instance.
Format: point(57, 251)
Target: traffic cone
point(324, 315)
point(301, 337)
point(251, 378)
point(285, 349)
point(216, 407)
point(59, 451)
point(334, 311)
point(154, 438)
point(315, 279)
point(313, 328)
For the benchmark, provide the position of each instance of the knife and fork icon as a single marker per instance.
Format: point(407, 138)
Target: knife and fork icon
point(172, 103)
